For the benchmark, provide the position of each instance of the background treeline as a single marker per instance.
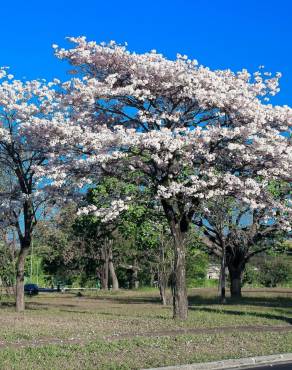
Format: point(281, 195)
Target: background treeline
point(136, 248)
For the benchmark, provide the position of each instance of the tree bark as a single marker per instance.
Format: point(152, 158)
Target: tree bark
point(20, 304)
point(25, 244)
point(178, 223)
point(152, 276)
point(180, 299)
point(104, 268)
point(222, 280)
point(235, 273)
point(115, 282)
point(163, 272)
point(162, 292)
point(133, 275)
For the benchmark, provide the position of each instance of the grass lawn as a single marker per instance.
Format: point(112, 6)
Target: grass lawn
point(131, 330)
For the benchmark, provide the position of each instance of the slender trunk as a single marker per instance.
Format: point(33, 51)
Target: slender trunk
point(151, 277)
point(222, 281)
point(136, 281)
point(163, 273)
point(25, 243)
point(104, 268)
point(20, 305)
point(235, 273)
point(115, 282)
point(162, 292)
point(133, 279)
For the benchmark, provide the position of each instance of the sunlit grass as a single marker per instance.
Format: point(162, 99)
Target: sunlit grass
point(130, 329)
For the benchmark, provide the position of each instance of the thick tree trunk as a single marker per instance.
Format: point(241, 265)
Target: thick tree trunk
point(235, 273)
point(180, 299)
point(178, 224)
point(20, 305)
point(114, 279)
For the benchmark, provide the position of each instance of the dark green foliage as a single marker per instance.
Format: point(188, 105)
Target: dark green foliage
point(7, 265)
point(196, 267)
point(197, 260)
point(251, 276)
point(274, 272)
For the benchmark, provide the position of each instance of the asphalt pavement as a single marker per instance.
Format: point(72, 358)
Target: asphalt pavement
point(270, 367)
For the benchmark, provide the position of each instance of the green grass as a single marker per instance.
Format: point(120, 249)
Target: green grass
point(100, 323)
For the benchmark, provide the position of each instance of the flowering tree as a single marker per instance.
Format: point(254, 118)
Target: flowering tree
point(191, 133)
point(94, 224)
point(235, 232)
point(22, 105)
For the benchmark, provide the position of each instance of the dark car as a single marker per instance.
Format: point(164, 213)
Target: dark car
point(31, 289)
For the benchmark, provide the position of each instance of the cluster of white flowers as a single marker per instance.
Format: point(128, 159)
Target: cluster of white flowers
point(106, 214)
point(196, 133)
point(25, 106)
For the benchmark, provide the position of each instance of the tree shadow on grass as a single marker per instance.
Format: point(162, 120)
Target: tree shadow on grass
point(201, 300)
point(47, 305)
point(262, 315)
point(131, 300)
point(4, 304)
point(198, 300)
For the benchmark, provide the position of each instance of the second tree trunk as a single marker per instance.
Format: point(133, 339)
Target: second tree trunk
point(235, 274)
point(20, 305)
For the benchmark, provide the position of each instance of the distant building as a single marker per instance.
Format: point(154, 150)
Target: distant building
point(213, 271)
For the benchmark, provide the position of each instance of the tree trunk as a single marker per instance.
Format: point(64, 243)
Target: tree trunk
point(163, 274)
point(222, 280)
point(162, 292)
point(235, 273)
point(104, 268)
point(178, 224)
point(20, 305)
point(152, 276)
point(115, 282)
point(133, 278)
point(180, 299)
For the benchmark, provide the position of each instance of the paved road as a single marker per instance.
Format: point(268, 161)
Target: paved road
point(272, 367)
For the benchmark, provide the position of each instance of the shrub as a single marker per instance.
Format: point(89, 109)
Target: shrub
point(274, 272)
point(196, 267)
point(251, 276)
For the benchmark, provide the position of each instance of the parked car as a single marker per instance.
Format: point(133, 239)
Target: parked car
point(31, 289)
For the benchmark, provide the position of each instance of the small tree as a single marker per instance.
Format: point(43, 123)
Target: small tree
point(235, 233)
point(22, 105)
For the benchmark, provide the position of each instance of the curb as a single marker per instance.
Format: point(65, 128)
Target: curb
point(233, 364)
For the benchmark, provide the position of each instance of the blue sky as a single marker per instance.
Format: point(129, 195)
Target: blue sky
point(219, 34)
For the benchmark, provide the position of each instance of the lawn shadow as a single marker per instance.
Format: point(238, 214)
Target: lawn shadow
point(285, 302)
point(262, 315)
point(129, 300)
point(47, 305)
point(4, 304)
